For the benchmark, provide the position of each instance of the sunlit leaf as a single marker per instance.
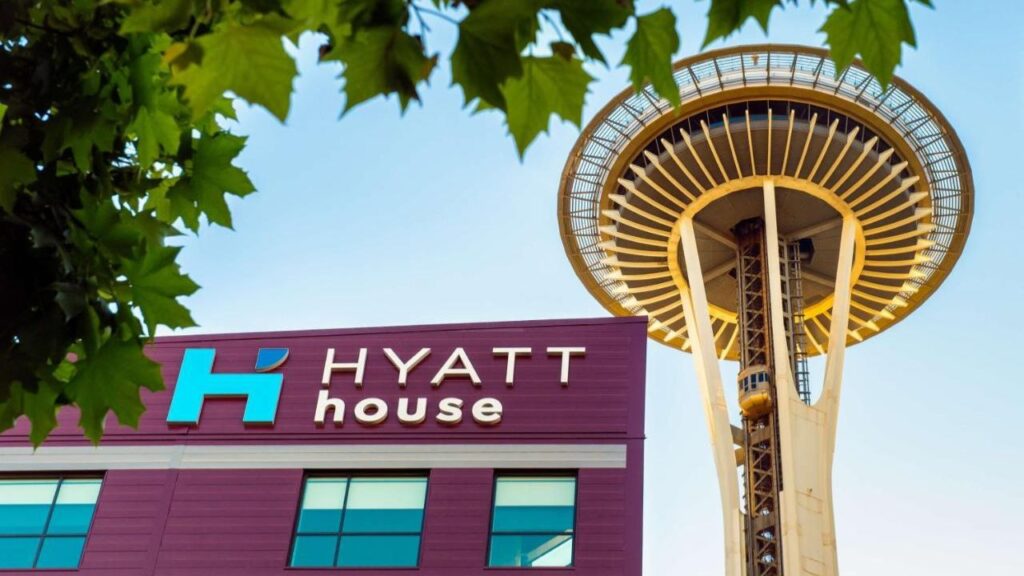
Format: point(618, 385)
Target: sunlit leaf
point(110, 381)
point(213, 176)
point(247, 60)
point(586, 18)
point(158, 16)
point(156, 284)
point(873, 29)
point(487, 52)
point(649, 53)
point(728, 16)
point(552, 85)
point(382, 61)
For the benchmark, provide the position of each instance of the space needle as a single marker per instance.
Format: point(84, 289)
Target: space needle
point(786, 209)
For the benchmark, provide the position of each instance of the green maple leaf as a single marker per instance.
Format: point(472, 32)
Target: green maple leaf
point(247, 60)
point(487, 52)
point(875, 29)
point(109, 379)
point(312, 13)
point(649, 53)
point(727, 16)
point(382, 60)
point(83, 133)
point(154, 130)
point(585, 18)
point(38, 406)
point(16, 170)
point(213, 176)
point(162, 16)
point(551, 85)
point(112, 228)
point(156, 283)
point(168, 208)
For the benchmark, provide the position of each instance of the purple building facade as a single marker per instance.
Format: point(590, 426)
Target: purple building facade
point(450, 450)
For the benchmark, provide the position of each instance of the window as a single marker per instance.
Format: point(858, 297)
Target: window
point(533, 522)
point(44, 522)
point(360, 522)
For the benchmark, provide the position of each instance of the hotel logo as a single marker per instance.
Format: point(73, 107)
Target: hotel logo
point(196, 381)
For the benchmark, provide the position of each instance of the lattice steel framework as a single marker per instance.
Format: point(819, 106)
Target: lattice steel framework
point(763, 479)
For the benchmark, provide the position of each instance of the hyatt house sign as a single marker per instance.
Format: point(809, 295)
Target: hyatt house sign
point(340, 394)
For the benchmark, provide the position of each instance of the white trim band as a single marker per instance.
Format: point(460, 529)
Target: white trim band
point(307, 456)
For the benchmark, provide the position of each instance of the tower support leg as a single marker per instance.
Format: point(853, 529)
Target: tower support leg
point(709, 376)
point(807, 433)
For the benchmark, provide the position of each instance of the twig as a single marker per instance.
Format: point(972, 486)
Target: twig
point(434, 13)
point(547, 18)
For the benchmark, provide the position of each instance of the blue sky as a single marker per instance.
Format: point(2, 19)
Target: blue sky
point(430, 217)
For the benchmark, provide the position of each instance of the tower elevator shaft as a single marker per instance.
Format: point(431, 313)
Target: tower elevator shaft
point(757, 387)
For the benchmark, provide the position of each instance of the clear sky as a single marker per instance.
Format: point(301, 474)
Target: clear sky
point(430, 217)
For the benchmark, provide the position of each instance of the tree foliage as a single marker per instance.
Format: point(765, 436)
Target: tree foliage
point(112, 141)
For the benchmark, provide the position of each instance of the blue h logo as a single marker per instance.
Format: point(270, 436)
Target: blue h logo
point(196, 381)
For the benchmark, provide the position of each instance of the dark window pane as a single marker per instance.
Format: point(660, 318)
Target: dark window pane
point(383, 551)
point(319, 520)
point(17, 552)
point(312, 551)
point(23, 518)
point(526, 551)
point(372, 505)
point(383, 520)
point(76, 501)
point(70, 519)
point(533, 518)
point(60, 552)
point(24, 505)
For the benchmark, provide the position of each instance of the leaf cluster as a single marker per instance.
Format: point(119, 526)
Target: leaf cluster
point(112, 141)
point(102, 161)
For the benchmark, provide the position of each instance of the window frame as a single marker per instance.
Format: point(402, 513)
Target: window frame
point(348, 476)
point(519, 473)
point(59, 477)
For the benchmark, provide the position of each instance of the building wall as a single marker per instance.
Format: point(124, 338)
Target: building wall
point(164, 512)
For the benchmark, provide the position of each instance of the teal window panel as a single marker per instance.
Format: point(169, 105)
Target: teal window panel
point(360, 521)
point(322, 502)
point(61, 552)
point(531, 551)
point(533, 521)
point(23, 519)
point(71, 519)
point(18, 552)
point(25, 505)
point(319, 521)
point(533, 518)
point(44, 522)
point(379, 551)
point(314, 551)
point(383, 520)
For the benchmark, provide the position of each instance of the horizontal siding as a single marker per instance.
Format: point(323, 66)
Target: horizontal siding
point(605, 395)
point(239, 522)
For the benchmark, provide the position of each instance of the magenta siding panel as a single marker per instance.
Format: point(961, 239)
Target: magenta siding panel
point(240, 522)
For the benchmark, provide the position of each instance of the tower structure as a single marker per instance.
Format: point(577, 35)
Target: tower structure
point(786, 209)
